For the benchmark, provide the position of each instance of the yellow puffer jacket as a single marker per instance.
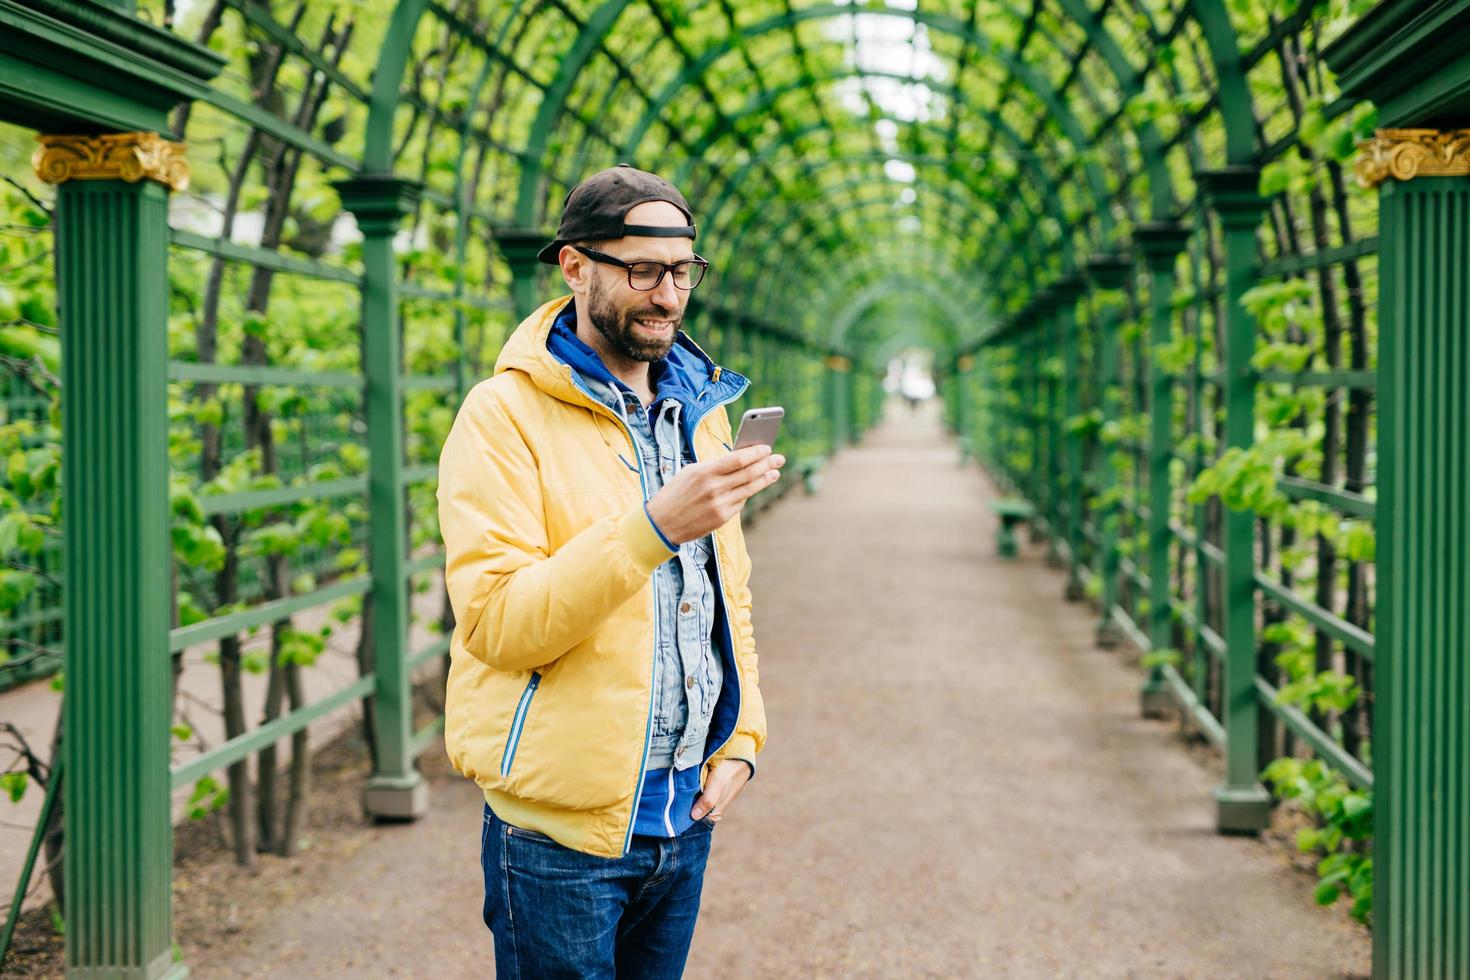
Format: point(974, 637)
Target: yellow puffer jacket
point(550, 558)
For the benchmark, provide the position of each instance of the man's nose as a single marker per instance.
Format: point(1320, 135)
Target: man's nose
point(665, 294)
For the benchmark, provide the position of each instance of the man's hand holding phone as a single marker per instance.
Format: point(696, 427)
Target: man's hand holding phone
point(704, 496)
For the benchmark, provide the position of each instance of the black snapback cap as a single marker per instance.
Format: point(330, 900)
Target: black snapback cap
point(594, 209)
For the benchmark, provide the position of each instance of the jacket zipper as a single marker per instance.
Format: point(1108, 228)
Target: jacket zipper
point(653, 660)
point(513, 740)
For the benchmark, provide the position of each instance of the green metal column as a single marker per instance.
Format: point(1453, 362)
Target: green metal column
point(1242, 804)
point(1072, 488)
point(839, 371)
point(877, 397)
point(1107, 273)
point(112, 297)
point(1052, 475)
point(1035, 409)
point(1422, 702)
point(828, 400)
point(963, 411)
point(93, 68)
point(730, 343)
point(1160, 245)
point(396, 790)
point(519, 246)
point(759, 372)
point(1410, 59)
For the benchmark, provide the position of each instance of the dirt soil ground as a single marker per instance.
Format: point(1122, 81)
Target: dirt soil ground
point(957, 784)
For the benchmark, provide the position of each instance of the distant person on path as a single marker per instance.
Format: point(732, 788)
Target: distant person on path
point(603, 689)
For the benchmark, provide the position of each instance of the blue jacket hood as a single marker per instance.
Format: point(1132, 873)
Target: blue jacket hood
point(687, 374)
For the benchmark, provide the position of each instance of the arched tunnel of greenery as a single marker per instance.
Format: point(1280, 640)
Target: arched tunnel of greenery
point(1127, 232)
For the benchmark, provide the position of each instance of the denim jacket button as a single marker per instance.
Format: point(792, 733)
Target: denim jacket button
point(690, 682)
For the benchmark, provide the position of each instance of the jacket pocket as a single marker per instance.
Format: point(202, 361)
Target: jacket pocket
point(513, 739)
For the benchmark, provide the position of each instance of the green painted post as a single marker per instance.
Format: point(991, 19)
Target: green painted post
point(1160, 245)
point(111, 242)
point(839, 372)
point(396, 790)
point(982, 420)
point(519, 246)
point(759, 377)
point(1036, 414)
point(1198, 420)
point(963, 412)
point(871, 397)
point(1107, 273)
point(997, 423)
point(112, 297)
point(999, 384)
point(1053, 475)
point(828, 399)
point(1072, 488)
point(730, 343)
point(1410, 59)
point(849, 391)
point(1421, 708)
point(1242, 804)
point(1030, 398)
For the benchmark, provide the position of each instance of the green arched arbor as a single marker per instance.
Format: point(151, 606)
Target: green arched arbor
point(1125, 227)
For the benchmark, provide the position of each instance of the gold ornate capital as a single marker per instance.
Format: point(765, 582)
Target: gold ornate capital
point(1404, 154)
point(112, 156)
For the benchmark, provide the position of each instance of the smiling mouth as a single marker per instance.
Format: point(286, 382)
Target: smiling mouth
point(657, 326)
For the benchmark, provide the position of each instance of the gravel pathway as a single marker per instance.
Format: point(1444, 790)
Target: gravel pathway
point(957, 785)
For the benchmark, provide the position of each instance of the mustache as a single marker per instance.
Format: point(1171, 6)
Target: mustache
point(655, 313)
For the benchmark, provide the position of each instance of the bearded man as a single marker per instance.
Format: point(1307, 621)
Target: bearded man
point(603, 689)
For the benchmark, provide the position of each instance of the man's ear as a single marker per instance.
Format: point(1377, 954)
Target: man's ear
point(573, 268)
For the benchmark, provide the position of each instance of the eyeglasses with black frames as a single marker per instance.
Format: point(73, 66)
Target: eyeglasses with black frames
point(647, 274)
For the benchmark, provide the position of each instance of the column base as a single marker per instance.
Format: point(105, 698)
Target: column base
point(163, 967)
point(1108, 634)
point(1155, 700)
point(396, 798)
point(1242, 809)
point(1074, 591)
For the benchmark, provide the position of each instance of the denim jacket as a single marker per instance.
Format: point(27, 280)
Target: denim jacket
point(687, 670)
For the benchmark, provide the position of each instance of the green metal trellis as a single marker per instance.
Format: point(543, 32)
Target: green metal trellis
point(1036, 346)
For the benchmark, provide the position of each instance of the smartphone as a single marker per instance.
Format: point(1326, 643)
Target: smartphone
point(759, 425)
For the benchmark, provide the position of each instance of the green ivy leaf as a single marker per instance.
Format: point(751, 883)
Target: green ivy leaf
point(13, 785)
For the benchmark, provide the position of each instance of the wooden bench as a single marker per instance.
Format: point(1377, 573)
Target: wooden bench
point(1011, 511)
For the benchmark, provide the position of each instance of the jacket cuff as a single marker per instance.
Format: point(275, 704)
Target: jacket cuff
point(661, 536)
point(644, 542)
point(741, 747)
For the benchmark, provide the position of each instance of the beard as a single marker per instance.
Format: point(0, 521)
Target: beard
point(618, 328)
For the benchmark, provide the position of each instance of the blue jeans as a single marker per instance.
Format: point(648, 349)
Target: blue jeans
point(556, 912)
